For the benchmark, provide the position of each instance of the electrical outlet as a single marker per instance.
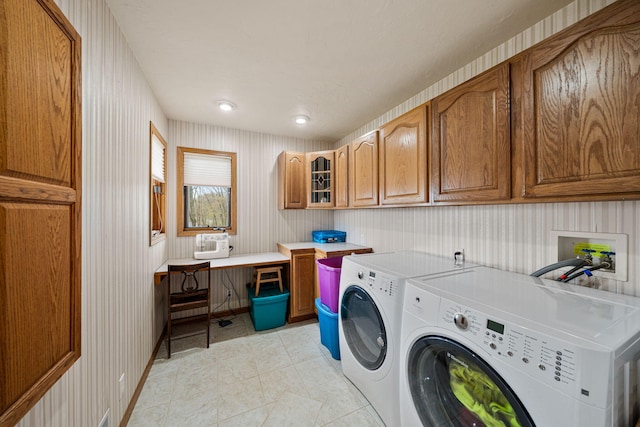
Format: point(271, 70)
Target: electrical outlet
point(228, 294)
point(571, 244)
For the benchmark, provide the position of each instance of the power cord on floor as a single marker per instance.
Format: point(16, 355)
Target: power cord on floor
point(230, 289)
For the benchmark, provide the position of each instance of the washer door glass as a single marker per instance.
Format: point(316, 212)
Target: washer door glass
point(363, 328)
point(452, 386)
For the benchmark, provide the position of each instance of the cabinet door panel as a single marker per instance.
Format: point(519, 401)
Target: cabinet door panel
point(363, 173)
point(471, 140)
point(291, 183)
point(39, 68)
point(40, 202)
point(403, 159)
point(302, 284)
point(581, 108)
point(34, 288)
point(342, 177)
point(320, 179)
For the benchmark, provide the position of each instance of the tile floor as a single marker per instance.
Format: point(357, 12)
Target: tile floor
point(280, 377)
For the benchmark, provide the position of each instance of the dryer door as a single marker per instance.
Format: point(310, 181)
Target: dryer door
point(452, 386)
point(363, 328)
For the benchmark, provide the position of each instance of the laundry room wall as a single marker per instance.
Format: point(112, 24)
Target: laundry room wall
point(511, 237)
point(260, 225)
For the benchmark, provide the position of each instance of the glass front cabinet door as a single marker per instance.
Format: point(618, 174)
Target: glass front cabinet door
point(320, 170)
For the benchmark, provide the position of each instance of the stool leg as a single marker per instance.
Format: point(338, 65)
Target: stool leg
point(280, 282)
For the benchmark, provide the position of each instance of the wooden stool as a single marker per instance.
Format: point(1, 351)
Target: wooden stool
point(258, 279)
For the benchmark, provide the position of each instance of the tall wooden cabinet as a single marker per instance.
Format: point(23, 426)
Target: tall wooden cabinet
point(403, 159)
point(577, 106)
point(363, 171)
point(470, 140)
point(292, 192)
point(342, 177)
point(40, 199)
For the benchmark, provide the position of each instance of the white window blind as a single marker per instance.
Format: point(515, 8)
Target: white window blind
point(207, 170)
point(157, 158)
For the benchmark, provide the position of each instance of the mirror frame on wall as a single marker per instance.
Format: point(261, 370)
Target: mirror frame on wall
point(157, 189)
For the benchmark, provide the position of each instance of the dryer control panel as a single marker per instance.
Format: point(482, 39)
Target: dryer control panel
point(573, 370)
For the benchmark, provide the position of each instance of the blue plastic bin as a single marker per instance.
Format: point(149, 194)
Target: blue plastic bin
point(268, 310)
point(328, 329)
point(329, 236)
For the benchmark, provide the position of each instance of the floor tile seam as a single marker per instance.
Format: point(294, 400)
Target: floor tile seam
point(322, 403)
point(248, 410)
point(262, 385)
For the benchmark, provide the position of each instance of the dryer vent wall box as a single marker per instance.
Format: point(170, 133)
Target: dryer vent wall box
point(571, 244)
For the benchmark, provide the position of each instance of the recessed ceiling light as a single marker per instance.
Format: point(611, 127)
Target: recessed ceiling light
point(226, 105)
point(301, 119)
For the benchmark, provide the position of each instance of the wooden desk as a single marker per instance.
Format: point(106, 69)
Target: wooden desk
point(234, 261)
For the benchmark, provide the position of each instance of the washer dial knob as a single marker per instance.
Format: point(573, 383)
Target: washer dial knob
point(461, 321)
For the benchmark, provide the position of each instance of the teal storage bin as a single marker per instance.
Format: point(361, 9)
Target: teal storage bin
point(328, 329)
point(268, 310)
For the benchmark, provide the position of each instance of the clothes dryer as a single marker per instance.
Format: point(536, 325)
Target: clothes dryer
point(489, 347)
point(371, 295)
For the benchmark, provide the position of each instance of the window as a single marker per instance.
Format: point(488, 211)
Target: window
point(206, 191)
point(157, 205)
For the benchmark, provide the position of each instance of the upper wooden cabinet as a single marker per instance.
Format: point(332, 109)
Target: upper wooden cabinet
point(291, 180)
point(403, 159)
point(342, 177)
point(320, 179)
point(363, 171)
point(40, 202)
point(470, 140)
point(577, 100)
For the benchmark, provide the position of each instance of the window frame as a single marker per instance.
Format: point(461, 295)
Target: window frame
point(162, 196)
point(180, 190)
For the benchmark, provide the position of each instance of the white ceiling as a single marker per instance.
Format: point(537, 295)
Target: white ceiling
point(342, 62)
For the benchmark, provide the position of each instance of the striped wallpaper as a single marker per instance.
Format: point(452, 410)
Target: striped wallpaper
point(122, 315)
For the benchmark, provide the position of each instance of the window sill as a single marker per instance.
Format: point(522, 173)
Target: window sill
point(158, 238)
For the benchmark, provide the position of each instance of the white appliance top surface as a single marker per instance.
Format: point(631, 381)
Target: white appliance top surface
point(407, 264)
point(601, 317)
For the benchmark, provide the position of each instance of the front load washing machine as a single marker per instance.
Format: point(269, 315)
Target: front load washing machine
point(489, 347)
point(371, 294)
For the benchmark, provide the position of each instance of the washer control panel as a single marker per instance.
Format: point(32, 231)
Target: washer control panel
point(378, 282)
point(552, 361)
